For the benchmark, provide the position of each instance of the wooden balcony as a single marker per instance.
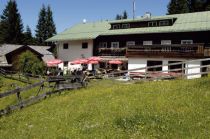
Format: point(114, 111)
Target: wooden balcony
point(111, 51)
point(168, 51)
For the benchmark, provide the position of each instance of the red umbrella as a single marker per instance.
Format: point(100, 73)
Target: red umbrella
point(93, 62)
point(80, 61)
point(118, 62)
point(54, 62)
point(95, 58)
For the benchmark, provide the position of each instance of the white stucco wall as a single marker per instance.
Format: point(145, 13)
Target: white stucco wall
point(134, 63)
point(75, 50)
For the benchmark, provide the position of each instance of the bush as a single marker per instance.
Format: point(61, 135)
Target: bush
point(28, 63)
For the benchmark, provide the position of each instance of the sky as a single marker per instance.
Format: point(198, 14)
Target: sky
point(67, 13)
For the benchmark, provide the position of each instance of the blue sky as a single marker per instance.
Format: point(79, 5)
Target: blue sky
point(69, 12)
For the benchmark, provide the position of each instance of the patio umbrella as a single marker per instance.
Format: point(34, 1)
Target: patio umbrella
point(80, 61)
point(93, 62)
point(117, 62)
point(95, 58)
point(54, 62)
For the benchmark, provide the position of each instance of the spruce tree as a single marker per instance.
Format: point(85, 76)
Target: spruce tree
point(118, 17)
point(28, 38)
point(41, 33)
point(172, 7)
point(11, 30)
point(51, 29)
point(178, 6)
point(125, 15)
point(46, 26)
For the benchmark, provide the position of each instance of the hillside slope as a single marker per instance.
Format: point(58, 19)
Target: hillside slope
point(108, 109)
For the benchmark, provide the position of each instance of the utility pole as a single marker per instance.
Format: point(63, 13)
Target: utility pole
point(134, 9)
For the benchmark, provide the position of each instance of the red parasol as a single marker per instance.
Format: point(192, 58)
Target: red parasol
point(93, 62)
point(80, 61)
point(54, 62)
point(117, 62)
point(95, 58)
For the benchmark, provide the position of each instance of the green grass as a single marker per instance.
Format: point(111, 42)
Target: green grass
point(109, 109)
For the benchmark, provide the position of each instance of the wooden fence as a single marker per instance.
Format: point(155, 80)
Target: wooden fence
point(165, 74)
point(59, 84)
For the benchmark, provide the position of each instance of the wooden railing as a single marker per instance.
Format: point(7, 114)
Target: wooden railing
point(168, 51)
point(111, 51)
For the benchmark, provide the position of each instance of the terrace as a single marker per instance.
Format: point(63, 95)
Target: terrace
point(157, 50)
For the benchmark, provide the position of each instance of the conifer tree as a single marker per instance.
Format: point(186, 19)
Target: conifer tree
point(41, 34)
point(51, 29)
point(28, 38)
point(46, 26)
point(11, 27)
point(125, 15)
point(172, 7)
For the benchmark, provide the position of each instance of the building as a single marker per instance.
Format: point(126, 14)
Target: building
point(145, 41)
point(10, 52)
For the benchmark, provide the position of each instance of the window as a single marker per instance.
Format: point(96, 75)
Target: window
point(84, 45)
point(165, 42)
point(65, 46)
point(115, 45)
point(152, 24)
point(130, 43)
point(186, 41)
point(125, 26)
point(147, 42)
point(154, 63)
point(164, 23)
point(103, 44)
point(116, 26)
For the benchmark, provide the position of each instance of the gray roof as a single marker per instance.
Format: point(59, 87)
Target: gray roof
point(7, 48)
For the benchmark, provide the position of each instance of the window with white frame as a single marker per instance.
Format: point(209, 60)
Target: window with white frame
point(165, 42)
point(115, 44)
point(152, 24)
point(103, 44)
point(186, 41)
point(117, 26)
point(164, 23)
point(125, 26)
point(130, 43)
point(147, 43)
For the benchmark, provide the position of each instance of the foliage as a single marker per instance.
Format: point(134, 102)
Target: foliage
point(11, 27)
point(29, 63)
point(46, 26)
point(186, 6)
point(28, 38)
point(109, 109)
point(123, 16)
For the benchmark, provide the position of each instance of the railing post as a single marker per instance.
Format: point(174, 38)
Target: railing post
point(183, 71)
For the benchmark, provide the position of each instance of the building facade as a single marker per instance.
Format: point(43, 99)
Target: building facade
point(141, 42)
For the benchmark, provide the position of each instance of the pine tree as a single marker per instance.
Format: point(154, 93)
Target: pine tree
point(125, 15)
point(51, 29)
point(172, 7)
point(118, 17)
point(41, 33)
point(46, 26)
point(183, 6)
point(11, 30)
point(28, 38)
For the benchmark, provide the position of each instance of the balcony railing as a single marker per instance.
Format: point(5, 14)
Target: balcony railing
point(192, 51)
point(111, 51)
point(157, 50)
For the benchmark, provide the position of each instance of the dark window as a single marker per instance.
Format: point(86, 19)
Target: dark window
point(84, 45)
point(154, 63)
point(117, 26)
point(65, 46)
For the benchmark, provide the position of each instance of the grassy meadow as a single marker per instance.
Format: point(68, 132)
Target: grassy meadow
point(110, 109)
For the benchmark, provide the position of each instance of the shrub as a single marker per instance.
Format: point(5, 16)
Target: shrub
point(29, 63)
